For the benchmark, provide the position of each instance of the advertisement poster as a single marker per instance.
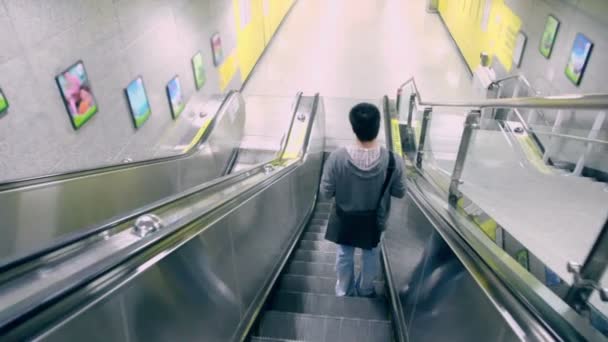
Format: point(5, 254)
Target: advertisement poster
point(579, 56)
point(199, 70)
point(138, 102)
point(77, 95)
point(216, 49)
point(549, 35)
point(174, 94)
point(3, 102)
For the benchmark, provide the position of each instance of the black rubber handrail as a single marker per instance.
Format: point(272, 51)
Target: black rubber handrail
point(20, 183)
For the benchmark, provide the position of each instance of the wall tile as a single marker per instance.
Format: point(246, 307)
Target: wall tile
point(117, 40)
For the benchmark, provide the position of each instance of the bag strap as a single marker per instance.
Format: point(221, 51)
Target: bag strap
point(389, 174)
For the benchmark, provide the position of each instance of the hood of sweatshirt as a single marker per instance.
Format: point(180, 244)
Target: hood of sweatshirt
point(365, 162)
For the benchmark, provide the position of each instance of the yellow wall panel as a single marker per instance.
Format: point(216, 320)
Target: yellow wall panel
point(277, 9)
point(250, 38)
point(227, 70)
point(464, 21)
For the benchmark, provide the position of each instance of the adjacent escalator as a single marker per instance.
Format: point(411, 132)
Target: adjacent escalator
point(194, 266)
point(44, 213)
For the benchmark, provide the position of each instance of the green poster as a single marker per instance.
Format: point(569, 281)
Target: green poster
point(549, 35)
point(3, 102)
point(199, 70)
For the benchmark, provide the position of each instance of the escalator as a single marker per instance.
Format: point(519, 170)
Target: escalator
point(243, 258)
point(202, 146)
point(160, 274)
point(304, 307)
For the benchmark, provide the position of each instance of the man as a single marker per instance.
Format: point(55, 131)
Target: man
point(362, 178)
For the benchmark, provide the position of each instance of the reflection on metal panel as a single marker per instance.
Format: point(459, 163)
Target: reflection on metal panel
point(439, 298)
point(36, 216)
point(210, 287)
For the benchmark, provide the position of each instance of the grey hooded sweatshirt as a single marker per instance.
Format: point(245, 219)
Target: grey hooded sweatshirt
point(355, 178)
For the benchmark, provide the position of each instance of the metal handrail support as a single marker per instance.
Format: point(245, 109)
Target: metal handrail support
point(398, 99)
point(426, 117)
point(593, 133)
point(410, 112)
point(471, 123)
point(569, 102)
point(587, 277)
point(521, 78)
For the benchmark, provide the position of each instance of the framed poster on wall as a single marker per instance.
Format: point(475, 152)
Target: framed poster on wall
point(519, 47)
point(77, 95)
point(198, 70)
point(548, 39)
point(216, 49)
point(138, 102)
point(3, 102)
point(175, 97)
point(579, 57)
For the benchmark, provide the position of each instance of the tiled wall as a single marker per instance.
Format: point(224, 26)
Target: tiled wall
point(547, 76)
point(117, 40)
point(589, 17)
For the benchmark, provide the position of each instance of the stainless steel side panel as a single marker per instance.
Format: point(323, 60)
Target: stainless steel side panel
point(439, 298)
point(36, 216)
point(209, 288)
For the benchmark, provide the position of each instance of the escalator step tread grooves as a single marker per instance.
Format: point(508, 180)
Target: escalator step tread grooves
point(305, 327)
point(270, 339)
point(304, 307)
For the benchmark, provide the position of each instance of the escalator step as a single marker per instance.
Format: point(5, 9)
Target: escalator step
point(324, 216)
point(330, 305)
point(311, 269)
point(316, 228)
point(319, 222)
point(321, 328)
point(312, 284)
point(313, 236)
point(323, 246)
point(316, 284)
point(315, 256)
point(314, 269)
point(323, 206)
point(270, 339)
point(326, 257)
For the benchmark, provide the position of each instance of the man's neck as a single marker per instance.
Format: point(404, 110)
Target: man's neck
point(367, 144)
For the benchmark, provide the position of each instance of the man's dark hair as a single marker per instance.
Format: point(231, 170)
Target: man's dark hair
point(365, 120)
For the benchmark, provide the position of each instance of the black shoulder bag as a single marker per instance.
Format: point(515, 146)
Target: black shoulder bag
point(359, 228)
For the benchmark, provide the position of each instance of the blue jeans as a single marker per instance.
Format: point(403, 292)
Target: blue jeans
point(345, 269)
